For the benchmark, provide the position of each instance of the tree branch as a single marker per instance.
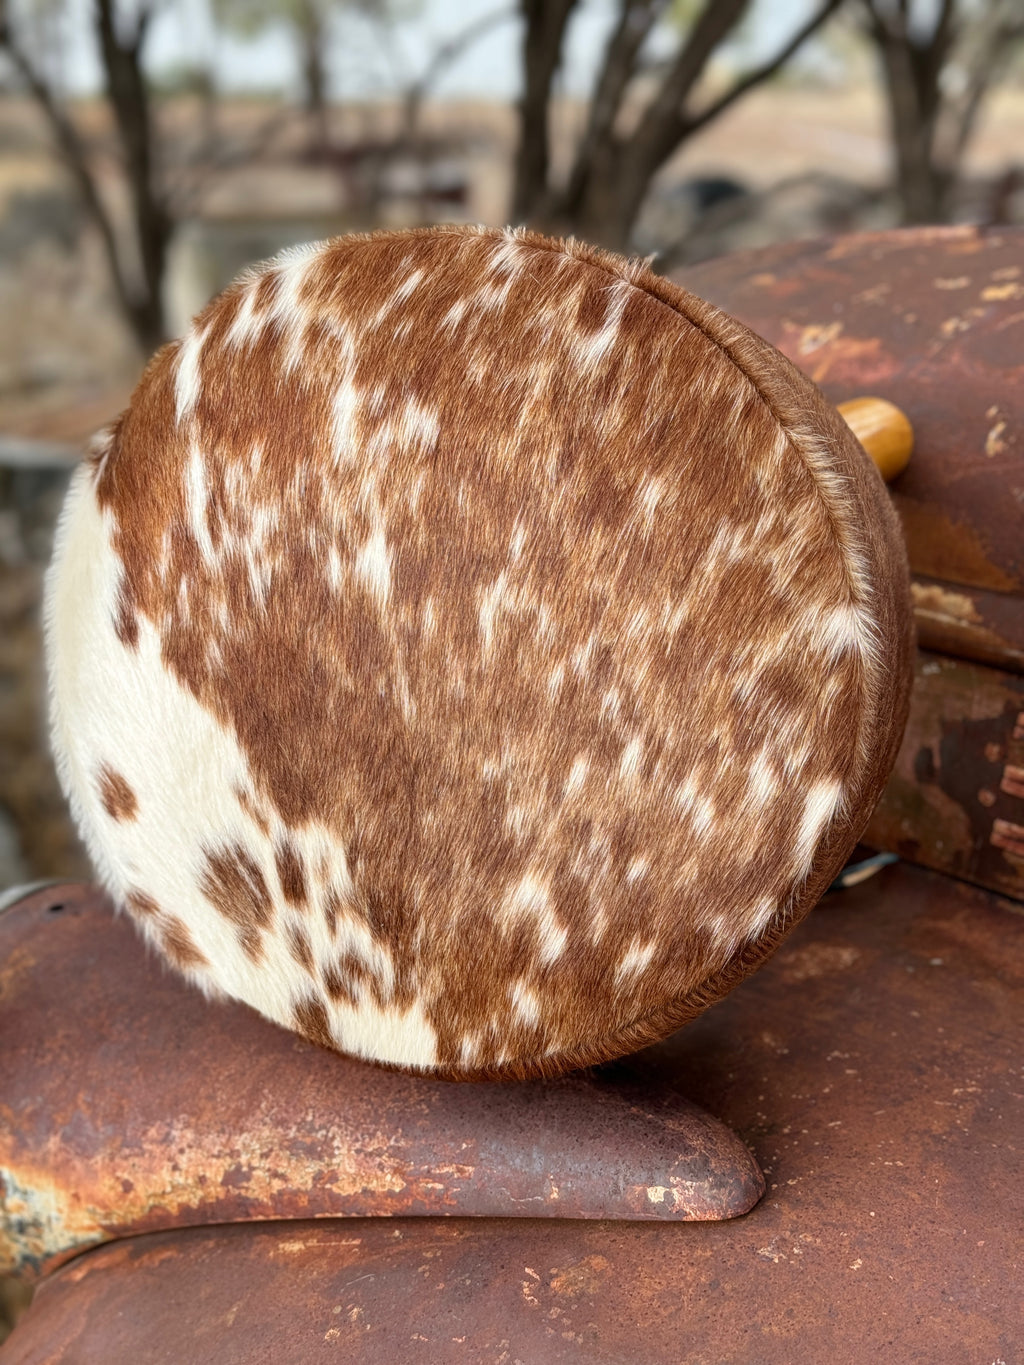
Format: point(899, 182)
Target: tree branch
point(996, 34)
point(129, 98)
point(451, 49)
point(73, 154)
point(636, 19)
point(545, 22)
point(663, 123)
point(767, 70)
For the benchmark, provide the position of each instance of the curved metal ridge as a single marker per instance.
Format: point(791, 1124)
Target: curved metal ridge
point(130, 1104)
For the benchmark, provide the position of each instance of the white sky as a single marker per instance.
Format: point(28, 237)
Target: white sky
point(362, 63)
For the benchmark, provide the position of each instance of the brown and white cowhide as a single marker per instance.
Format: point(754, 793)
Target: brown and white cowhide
point(473, 651)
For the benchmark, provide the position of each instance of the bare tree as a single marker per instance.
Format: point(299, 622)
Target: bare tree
point(938, 63)
point(308, 22)
point(311, 24)
point(444, 56)
point(137, 267)
point(636, 118)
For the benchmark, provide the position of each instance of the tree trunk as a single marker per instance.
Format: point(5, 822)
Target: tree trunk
point(609, 205)
point(314, 77)
point(138, 282)
point(545, 22)
point(919, 182)
point(612, 169)
point(129, 98)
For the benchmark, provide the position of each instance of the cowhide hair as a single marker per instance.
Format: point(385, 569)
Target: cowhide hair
point(473, 651)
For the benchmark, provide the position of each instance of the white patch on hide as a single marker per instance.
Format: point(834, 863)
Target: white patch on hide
point(634, 960)
point(119, 705)
point(632, 756)
point(247, 324)
point(197, 497)
point(822, 802)
point(592, 347)
point(373, 564)
point(187, 377)
point(385, 1034)
point(525, 1003)
point(577, 774)
point(347, 409)
point(530, 898)
point(491, 602)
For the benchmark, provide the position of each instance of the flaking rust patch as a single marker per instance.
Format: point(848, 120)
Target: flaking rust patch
point(40, 1220)
point(583, 1278)
point(942, 602)
point(994, 442)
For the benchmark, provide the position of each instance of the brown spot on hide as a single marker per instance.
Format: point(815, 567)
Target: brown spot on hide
point(179, 944)
point(233, 883)
point(119, 801)
point(333, 903)
point(253, 811)
point(299, 947)
point(138, 903)
point(310, 1018)
point(343, 976)
point(289, 870)
point(126, 623)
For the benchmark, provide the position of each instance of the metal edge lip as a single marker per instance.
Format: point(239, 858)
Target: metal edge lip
point(21, 892)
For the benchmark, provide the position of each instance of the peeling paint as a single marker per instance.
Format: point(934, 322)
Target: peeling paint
point(994, 443)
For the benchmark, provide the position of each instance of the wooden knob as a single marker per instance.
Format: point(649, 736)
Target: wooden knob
point(884, 432)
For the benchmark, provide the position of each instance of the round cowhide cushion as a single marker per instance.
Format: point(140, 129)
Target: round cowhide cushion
point(473, 651)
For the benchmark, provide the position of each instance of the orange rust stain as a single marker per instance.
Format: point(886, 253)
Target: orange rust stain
point(831, 350)
point(994, 443)
point(934, 600)
point(820, 958)
point(876, 294)
point(815, 335)
point(582, 1278)
point(993, 293)
point(959, 240)
point(943, 548)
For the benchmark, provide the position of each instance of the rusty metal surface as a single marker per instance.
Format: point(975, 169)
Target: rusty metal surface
point(987, 627)
point(874, 1064)
point(129, 1103)
point(933, 320)
point(955, 800)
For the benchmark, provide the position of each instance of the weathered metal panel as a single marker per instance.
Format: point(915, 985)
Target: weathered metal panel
point(933, 320)
point(128, 1103)
point(955, 800)
point(874, 1063)
point(970, 623)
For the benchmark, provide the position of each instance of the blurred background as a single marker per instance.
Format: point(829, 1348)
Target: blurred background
point(151, 148)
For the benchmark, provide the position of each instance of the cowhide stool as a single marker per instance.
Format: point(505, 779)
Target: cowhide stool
point(475, 654)
point(472, 651)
